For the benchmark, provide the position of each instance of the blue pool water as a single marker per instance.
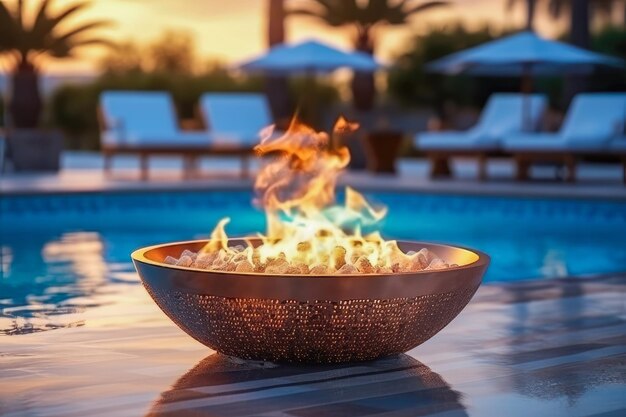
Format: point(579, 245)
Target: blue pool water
point(56, 249)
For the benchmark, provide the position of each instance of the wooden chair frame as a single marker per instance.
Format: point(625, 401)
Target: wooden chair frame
point(190, 154)
point(524, 160)
point(440, 161)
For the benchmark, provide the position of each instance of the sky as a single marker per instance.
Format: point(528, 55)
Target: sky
point(233, 30)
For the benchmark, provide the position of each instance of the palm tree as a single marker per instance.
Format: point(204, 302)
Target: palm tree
point(365, 18)
point(26, 44)
point(531, 8)
point(602, 8)
point(580, 12)
point(276, 22)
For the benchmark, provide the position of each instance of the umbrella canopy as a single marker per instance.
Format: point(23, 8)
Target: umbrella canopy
point(521, 54)
point(309, 57)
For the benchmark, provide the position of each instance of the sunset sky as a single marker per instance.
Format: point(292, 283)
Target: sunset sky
point(231, 30)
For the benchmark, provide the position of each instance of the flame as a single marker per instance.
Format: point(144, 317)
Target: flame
point(305, 225)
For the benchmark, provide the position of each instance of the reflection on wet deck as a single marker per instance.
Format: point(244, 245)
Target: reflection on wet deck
point(551, 347)
point(220, 386)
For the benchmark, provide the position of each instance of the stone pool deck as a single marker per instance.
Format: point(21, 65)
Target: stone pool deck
point(535, 348)
point(82, 171)
point(538, 348)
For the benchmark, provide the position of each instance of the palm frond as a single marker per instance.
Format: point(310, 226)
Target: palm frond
point(328, 17)
point(510, 4)
point(330, 5)
point(94, 42)
point(425, 6)
point(332, 12)
point(83, 28)
point(320, 7)
point(375, 10)
point(62, 46)
point(603, 7)
point(41, 18)
point(67, 48)
point(5, 14)
point(71, 10)
point(305, 12)
point(52, 22)
point(395, 15)
point(19, 15)
point(556, 8)
point(8, 29)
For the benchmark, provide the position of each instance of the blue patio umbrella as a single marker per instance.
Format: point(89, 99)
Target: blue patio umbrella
point(524, 54)
point(309, 57)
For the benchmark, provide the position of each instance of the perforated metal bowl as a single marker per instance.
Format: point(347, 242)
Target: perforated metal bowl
point(308, 318)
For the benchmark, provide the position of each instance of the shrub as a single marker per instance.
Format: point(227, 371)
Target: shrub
point(73, 108)
point(610, 41)
point(412, 85)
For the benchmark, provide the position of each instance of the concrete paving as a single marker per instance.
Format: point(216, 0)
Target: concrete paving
point(82, 172)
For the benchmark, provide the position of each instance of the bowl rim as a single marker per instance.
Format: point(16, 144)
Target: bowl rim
point(139, 255)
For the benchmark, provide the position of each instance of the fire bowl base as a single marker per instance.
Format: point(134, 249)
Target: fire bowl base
point(310, 318)
point(290, 331)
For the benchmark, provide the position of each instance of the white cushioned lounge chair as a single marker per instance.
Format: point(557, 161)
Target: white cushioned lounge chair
point(503, 114)
point(593, 123)
point(145, 123)
point(618, 148)
point(235, 118)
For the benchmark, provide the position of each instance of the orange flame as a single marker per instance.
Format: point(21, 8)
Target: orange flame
point(296, 188)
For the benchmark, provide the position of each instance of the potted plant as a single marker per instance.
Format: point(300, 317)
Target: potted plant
point(24, 44)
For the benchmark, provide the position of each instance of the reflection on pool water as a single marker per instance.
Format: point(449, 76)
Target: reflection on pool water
point(62, 254)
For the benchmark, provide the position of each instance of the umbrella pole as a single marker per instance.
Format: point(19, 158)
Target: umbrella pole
point(527, 89)
point(311, 82)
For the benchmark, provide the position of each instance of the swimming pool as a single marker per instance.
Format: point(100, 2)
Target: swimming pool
point(62, 253)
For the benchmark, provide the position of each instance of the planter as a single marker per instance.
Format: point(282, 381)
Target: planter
point(382, 149)
point(25, 104)
point(34, 150)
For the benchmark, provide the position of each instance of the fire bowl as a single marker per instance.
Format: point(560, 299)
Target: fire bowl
point(310, 318)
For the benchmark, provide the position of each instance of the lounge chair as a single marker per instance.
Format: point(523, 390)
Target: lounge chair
point(235, 121)
point(235, 118)
point(503, 115)
point(593, 122)
point(617, 147)
point(2, 151)
point(144, 123)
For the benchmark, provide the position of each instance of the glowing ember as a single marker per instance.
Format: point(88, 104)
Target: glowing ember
point(307, 231)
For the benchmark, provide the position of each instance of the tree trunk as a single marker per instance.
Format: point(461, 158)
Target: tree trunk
point(277, 86)
point(276, 22)
point(25, 103)
point(579, 26)
point(579, 36)
point(530, 13)
point(363, 87)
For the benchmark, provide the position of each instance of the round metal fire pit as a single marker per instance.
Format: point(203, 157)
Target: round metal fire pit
point(309, 318)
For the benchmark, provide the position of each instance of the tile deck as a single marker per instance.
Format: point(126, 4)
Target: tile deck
point(535, 348)
point(83, 173)
point(549, 347)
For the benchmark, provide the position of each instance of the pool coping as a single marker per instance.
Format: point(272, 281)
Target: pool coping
point(365, 183)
